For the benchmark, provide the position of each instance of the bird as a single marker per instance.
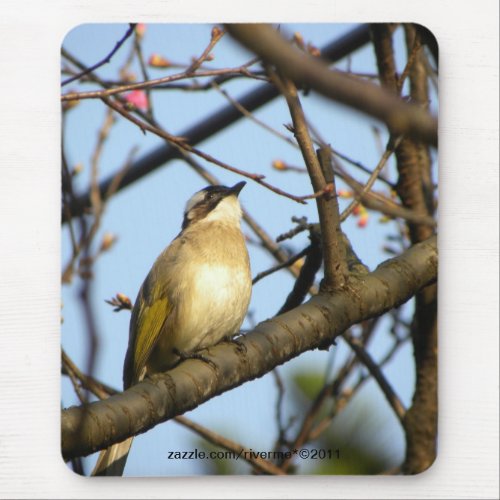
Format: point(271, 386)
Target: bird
point(196, 294)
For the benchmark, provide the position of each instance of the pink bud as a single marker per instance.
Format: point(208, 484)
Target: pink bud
point(138, 99)
point(140, 29)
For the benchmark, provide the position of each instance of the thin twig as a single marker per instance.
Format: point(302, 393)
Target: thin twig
point(301, 225)
point(179, 142)
point(68, 370)
point(100, 390)
point(363, 168)
point(252, 117)
point(380, 203)
point(281, 440)
point(409, 63)
point(282, 265)
point(391, 147)
point(98, 202)
point(103, 61)
point(216, 35)
point(377, 374)
point(342, 400)
point(99, 94)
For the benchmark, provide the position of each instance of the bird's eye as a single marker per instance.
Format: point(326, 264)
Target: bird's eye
point(210, 196)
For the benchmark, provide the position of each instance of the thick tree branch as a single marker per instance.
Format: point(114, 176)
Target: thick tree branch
point(103, 391)
point(412, 155)
point(95, 426)
point(400, 117)
point(415, 190)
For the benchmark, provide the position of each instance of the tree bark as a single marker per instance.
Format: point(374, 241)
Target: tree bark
point(415, 189)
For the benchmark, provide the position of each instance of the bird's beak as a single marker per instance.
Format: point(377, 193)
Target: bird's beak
point(237, 188)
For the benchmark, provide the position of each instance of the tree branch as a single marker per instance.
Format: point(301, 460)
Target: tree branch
point(400, 117)
point(415, 190)
point(88, 428)
point(377, 374)
point(321, 175)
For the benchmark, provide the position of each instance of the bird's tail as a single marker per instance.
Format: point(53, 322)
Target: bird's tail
point(111, 461)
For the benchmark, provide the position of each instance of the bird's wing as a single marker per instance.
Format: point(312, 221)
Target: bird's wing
point(151, 310)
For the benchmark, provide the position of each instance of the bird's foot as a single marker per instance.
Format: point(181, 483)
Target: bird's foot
point(183, 356)
point(233, 339)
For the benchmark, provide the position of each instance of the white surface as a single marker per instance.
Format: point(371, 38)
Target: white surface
point(31, 33)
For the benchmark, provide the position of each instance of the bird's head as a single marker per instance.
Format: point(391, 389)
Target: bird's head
point(214, 203)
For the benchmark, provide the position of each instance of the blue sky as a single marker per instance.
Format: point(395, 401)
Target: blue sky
point(146, 216)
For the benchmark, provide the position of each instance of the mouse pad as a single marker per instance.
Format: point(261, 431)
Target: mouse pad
point(249, 256)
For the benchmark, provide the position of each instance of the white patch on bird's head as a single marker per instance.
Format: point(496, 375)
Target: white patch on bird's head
point(196, 199)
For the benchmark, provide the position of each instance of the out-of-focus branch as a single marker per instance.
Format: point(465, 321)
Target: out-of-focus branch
point(307, 431)
point(304, 69)
point(377, 374)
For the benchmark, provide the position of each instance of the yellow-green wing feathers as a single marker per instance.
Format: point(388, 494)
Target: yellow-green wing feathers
point(151, 309)
point(148, 328)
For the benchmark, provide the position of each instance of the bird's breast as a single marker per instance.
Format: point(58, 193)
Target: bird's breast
point(213, 305)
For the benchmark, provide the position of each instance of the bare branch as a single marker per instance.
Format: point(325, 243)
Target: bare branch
point(292, 260)
point(305, 280)
point(216, 35)
point(377, 374)
point(180, 143)
point(321, 175)
point(391, 146)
